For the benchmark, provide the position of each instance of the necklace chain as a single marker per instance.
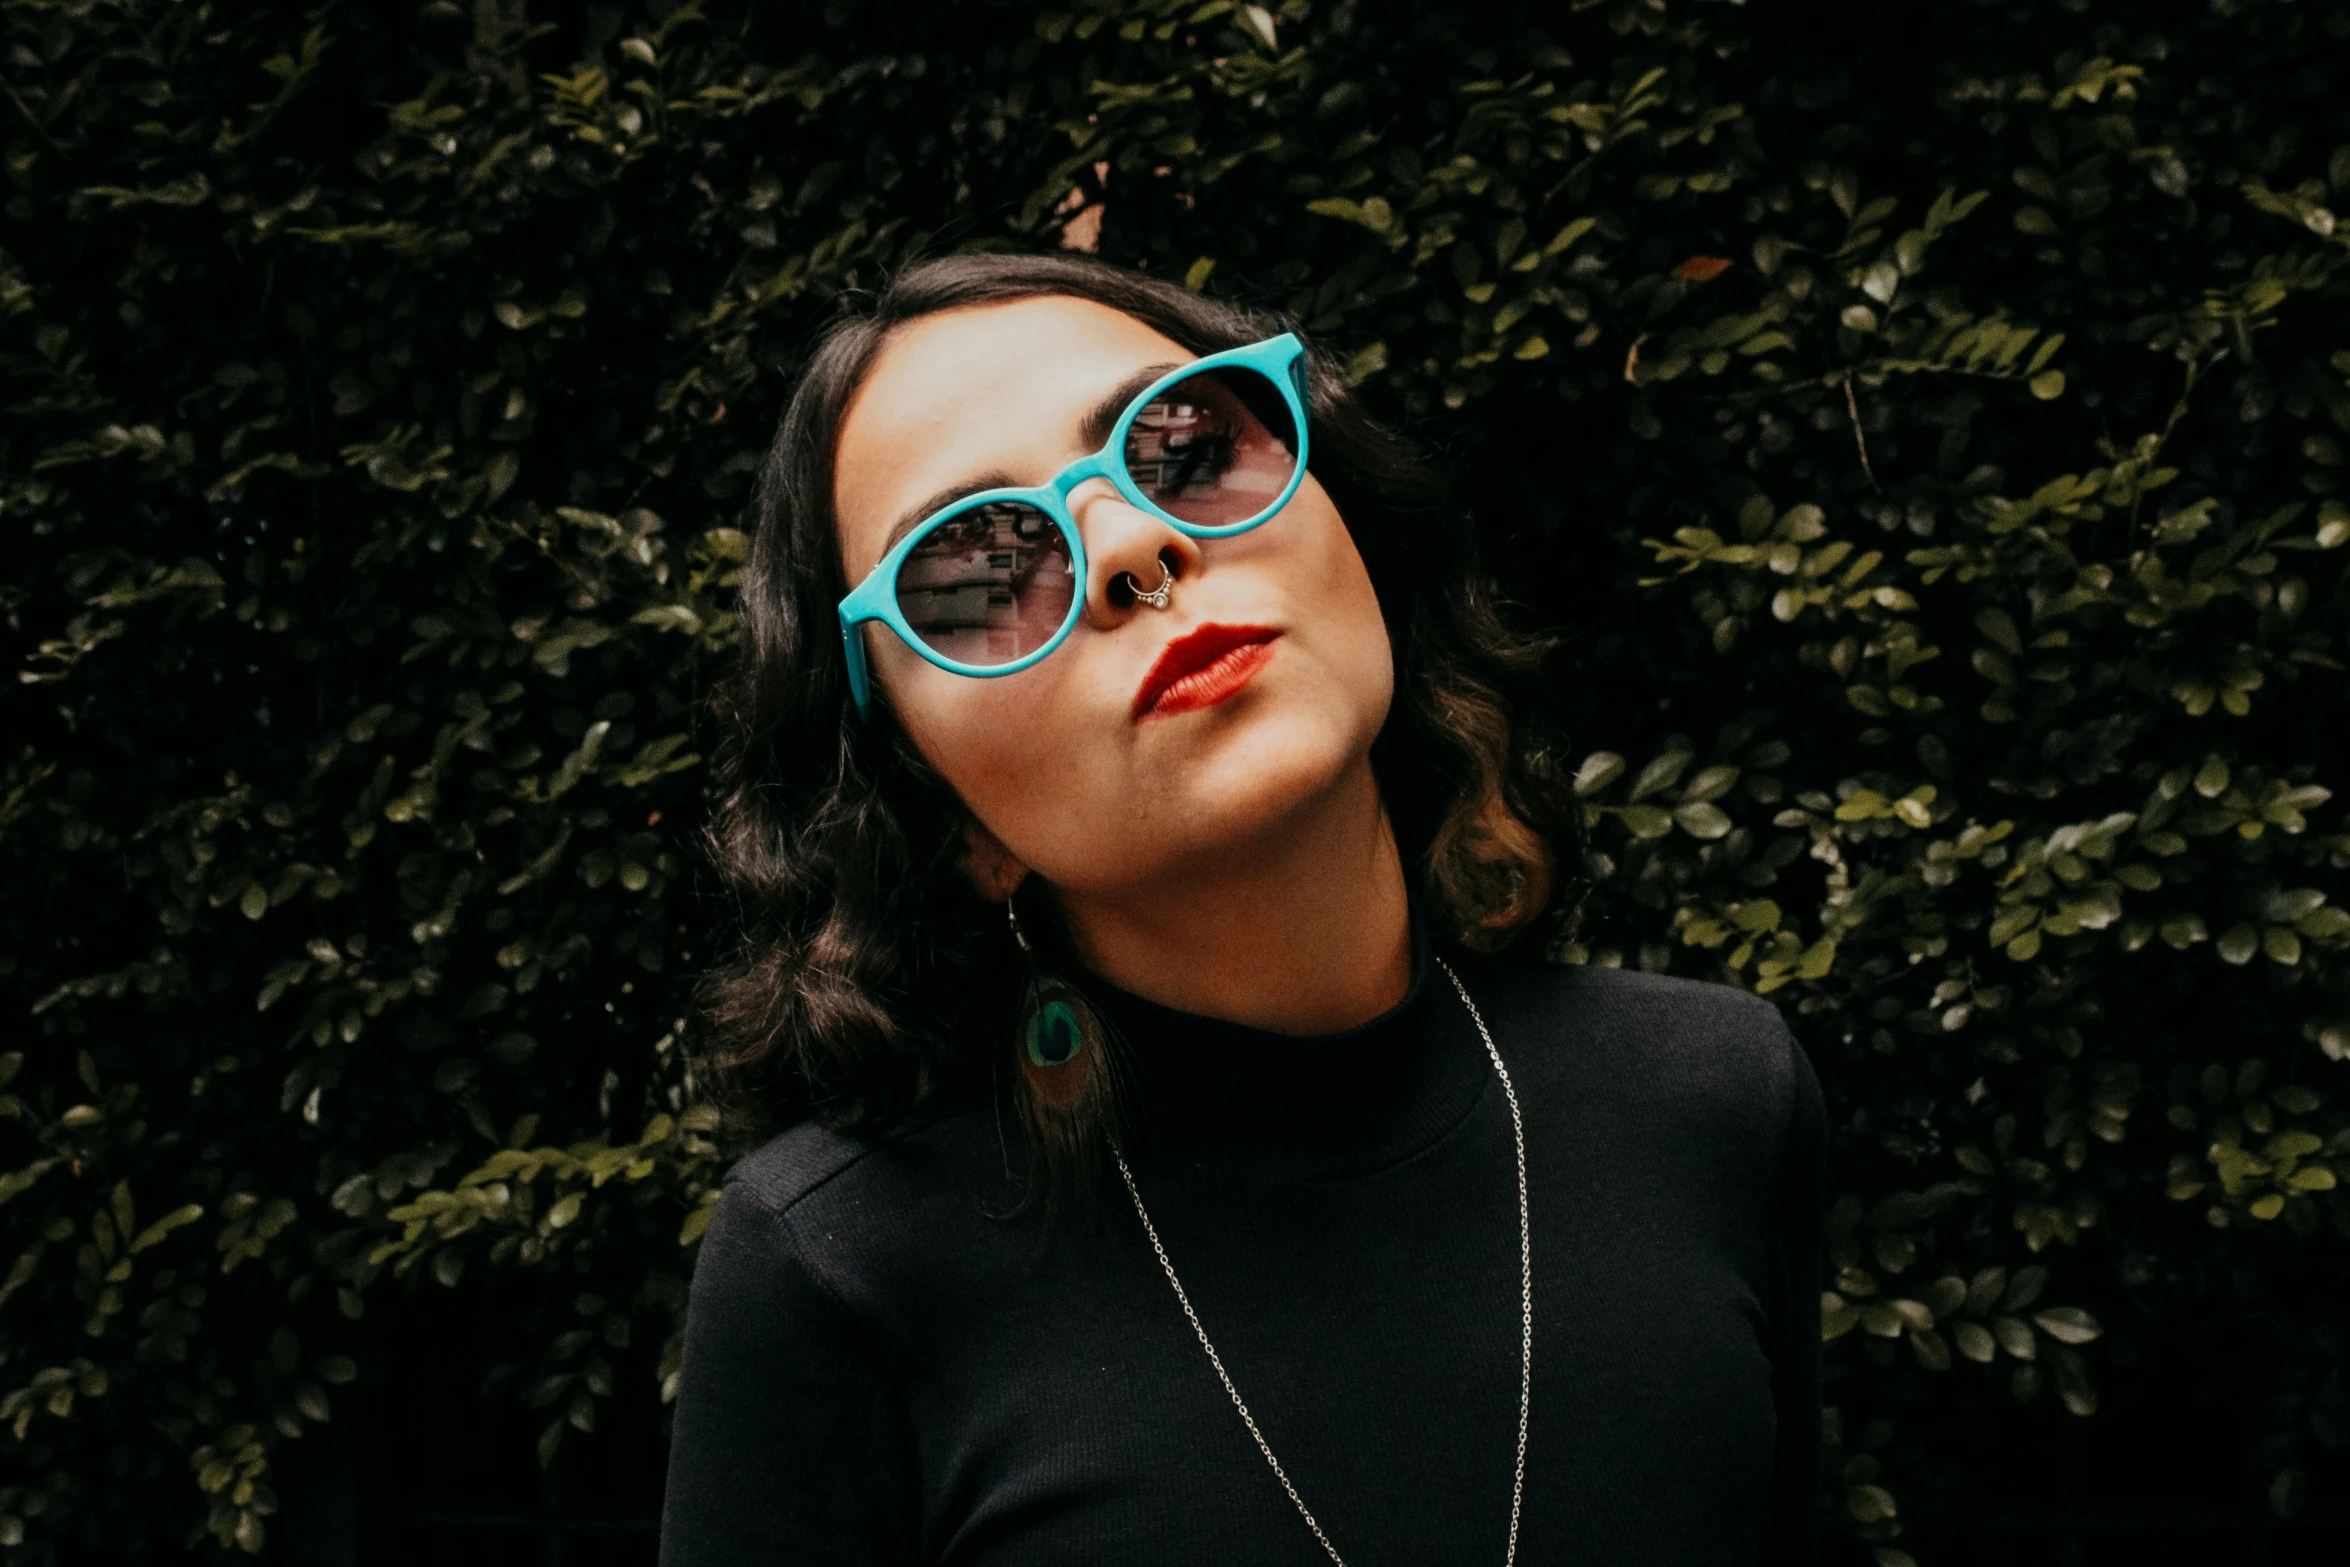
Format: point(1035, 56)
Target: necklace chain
point(1525, 1304)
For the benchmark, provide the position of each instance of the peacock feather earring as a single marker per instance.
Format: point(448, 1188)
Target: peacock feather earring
point(1059, 1047)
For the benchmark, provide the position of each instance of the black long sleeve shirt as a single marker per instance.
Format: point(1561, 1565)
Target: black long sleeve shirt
point(878, 1371)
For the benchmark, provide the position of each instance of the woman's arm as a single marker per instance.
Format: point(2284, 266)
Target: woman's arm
point(787, 1446)
point(1791, 1518)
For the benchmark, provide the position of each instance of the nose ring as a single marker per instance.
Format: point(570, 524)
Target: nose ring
point(1156, 598)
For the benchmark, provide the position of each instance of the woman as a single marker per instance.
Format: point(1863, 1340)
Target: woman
point(1186, 1157)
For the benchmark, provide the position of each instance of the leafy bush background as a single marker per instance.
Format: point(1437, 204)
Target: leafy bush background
point(1925, 423)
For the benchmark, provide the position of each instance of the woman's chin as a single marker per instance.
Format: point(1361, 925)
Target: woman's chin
point(1254, 771)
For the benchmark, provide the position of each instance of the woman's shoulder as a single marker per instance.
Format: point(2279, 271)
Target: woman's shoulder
point(810, 1174)
point(882, 1224)
point(1666, 1004)
point(1695, 1052)
point(796, 1163)
point(1628, 1004)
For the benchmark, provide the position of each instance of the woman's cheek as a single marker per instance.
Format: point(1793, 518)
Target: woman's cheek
point(1009, 756)
point(1378, 657)
point(1346, 609)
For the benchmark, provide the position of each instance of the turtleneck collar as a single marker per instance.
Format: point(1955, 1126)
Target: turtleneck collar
point(1203, 1091)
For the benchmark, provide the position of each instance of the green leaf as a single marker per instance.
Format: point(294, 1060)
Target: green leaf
point(1710, 784)
point(1660, 773)
point(1647, 821)
point(2067, 1324)
point(15, 1183)
point(1700, 819)
point(185, 1214)
point(1599, 769)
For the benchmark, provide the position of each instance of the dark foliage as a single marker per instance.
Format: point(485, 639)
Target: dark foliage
point(1925, 423)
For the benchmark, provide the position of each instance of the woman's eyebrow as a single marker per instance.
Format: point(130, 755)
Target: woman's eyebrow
point(913, 516)
point(1103, 416)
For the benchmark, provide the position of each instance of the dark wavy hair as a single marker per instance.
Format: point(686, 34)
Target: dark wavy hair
point(870, 975)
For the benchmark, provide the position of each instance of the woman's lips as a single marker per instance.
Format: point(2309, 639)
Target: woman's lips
point(1202, 668)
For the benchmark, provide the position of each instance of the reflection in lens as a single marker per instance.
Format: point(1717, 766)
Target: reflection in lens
point(989, 585)
point(1214, 449)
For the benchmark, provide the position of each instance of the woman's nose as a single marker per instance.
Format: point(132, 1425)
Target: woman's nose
point(1128, 552)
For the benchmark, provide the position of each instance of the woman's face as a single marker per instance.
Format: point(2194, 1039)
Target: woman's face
point(1084, 785)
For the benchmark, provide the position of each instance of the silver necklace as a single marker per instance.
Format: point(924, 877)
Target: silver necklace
point(1525, 1304)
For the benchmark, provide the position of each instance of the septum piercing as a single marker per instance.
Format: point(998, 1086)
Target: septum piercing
point(1156, 598)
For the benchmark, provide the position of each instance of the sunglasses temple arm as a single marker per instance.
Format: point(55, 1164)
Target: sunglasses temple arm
point(852, 644)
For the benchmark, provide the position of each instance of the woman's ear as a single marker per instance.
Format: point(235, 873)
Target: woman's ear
point(993, 869)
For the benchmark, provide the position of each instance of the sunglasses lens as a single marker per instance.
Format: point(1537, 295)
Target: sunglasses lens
point(1214, 449)
point(988, 586)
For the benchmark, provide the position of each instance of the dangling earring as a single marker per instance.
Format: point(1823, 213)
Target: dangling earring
point(1064, 1077)
point(1057, 1032)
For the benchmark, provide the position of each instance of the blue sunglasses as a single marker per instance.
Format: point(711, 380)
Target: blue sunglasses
point(995, 581)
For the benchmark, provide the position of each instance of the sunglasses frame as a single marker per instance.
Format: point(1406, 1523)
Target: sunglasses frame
point(1280, 360)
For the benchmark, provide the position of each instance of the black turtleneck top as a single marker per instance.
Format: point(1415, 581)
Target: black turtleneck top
point(879, 1371)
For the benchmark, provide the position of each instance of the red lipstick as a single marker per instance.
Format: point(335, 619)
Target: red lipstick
point(1203, 667)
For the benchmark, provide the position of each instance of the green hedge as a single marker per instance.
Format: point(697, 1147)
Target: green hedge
point(1925, 423)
